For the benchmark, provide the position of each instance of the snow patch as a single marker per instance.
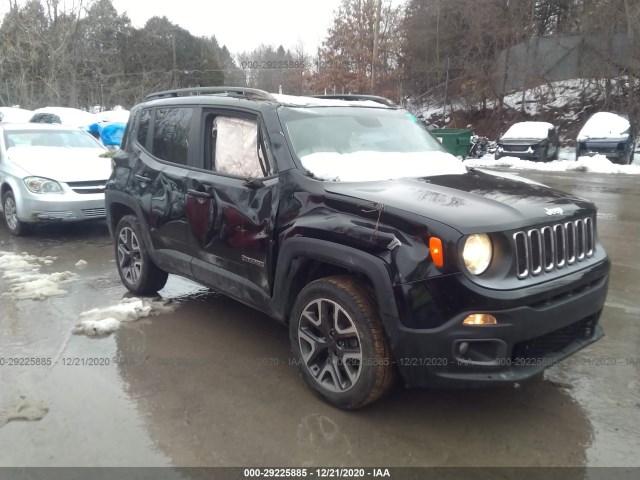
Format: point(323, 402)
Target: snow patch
point(22, 273)
point(106, 320)
point(535, 130)
point(595, 164)
point(605, 125)
point(374, 166)
point(23, 411)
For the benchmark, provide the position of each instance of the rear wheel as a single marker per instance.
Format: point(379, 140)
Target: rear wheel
point(137, 271)
point(544, 157)
point(15, 226)
point(339, 344)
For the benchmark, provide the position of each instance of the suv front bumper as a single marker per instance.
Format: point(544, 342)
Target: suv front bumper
point(531, 334)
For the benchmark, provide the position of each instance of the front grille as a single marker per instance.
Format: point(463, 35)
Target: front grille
point(516, 148)
point(94, 212)
point(88, 187)
point(553, 247)
point(55, 215)
point(555, 341)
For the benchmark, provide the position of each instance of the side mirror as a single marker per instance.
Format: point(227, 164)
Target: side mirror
point(253, 183)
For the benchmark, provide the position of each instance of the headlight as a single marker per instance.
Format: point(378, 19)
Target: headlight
point(477, 253)
point(42, 185)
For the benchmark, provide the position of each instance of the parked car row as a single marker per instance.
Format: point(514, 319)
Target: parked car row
point(605, 133)
point(107, 127)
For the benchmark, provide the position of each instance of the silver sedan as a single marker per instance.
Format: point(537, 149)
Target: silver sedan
point(50, 173)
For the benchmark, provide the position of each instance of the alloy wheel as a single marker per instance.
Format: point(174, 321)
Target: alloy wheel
point(10, 212)
point(330, 345)
point(129, 255)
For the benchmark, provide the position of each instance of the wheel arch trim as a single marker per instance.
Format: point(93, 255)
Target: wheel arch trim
point(340, 256)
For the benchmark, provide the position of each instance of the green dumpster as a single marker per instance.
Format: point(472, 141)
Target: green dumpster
point(456, 140)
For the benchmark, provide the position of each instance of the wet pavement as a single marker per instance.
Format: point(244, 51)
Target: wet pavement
point(211, 384)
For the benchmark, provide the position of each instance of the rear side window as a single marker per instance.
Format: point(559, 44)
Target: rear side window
point(171, 134)
point(143, 127)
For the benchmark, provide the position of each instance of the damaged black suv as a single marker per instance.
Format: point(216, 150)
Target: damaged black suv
point(343, 218)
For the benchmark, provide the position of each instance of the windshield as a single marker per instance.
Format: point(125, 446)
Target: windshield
point(49, 138)
point(364, 144)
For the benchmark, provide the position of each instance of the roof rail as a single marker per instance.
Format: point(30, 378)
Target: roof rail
point(232, 91)
point(358, 97)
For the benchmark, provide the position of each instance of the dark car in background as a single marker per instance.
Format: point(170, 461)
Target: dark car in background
point(537, 141)
point(608, 134)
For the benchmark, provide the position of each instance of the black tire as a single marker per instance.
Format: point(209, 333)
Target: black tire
point(14, 225)
point(545, 155)
point(341, 381)
point(137, 271)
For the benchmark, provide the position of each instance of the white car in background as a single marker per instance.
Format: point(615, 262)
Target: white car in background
point(50, 173)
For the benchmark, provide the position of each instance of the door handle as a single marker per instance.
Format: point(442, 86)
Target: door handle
point(142, 178)
point(199, 194)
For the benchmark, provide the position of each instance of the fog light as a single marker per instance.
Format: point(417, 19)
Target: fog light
point(463, 348)
point(480, 319)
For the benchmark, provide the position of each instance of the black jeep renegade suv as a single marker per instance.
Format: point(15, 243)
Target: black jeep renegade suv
point(343, 218)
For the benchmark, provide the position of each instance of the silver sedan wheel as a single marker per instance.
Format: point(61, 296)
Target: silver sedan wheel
point(330, 345)
point(10, 212)
point(129, 255)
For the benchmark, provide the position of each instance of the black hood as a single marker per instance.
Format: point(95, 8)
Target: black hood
point(473, 202)
point(521, 141)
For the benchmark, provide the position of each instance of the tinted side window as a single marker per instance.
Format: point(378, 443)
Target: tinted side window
point(143, 127)
point(171, 134)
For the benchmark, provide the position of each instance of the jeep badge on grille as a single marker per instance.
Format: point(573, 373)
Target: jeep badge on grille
point(554, 211)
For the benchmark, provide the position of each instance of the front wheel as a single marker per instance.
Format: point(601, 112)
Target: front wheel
point(137, 271)
point(339, 344)
point(15, 226)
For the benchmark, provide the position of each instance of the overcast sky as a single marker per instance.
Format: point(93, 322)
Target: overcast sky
point(242, 25)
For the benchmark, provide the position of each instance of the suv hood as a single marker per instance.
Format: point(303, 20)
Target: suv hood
point(62, 164)
point(520, 141)
point(472, 203)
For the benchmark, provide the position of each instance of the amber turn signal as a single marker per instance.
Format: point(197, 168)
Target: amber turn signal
point(480, 319)
point(435, 248)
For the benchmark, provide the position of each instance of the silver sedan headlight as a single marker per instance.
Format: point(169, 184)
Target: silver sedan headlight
point(477, 253)
point(42, 185)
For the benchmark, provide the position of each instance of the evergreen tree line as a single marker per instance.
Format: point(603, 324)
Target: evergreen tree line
point(407, 51)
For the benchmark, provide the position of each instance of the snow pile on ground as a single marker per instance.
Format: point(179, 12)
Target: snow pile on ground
point(595, 164)
point(22, 273)
point(103, 321)
point(23, 411)
point(605, 125)
point(373, 166)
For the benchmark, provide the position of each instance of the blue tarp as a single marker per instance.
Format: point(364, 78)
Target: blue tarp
point(110, 133)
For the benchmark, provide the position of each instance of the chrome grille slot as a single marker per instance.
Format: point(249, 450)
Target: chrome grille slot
point(552, 247)
point(522, 254)
point(581, 241)
point(588, 223)
point(548, 247)
point(561, 245)
point(535, 245)
point(570, 228)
